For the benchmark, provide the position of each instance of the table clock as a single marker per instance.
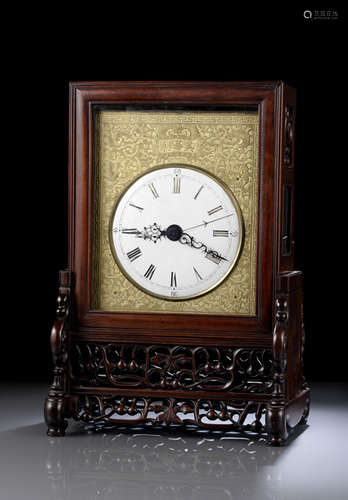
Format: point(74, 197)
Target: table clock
point(180, 304)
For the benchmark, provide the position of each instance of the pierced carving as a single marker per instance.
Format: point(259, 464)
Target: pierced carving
point(276, 415)
point(112, 410)
point(289, 136)
point(279, 347)
point(55, 402)
point(172, 367)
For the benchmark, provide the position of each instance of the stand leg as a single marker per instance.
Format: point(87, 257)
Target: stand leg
point(54, 416)
point(276, 426)
point(55, 408)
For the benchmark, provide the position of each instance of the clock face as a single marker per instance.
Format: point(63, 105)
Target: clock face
point(176, 232)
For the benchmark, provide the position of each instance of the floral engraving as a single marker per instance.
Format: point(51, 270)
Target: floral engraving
point(129, 143)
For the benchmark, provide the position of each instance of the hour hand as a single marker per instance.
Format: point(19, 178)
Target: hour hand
point(209, 253)
point(213, 254)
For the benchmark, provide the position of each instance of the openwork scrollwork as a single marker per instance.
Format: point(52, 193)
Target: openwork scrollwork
point(289, 136)
point(112, 410)
point(173, 367)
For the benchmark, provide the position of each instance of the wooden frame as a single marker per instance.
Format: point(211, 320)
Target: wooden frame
point(276, 328)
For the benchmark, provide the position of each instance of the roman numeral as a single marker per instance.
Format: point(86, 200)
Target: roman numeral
point(220, 232)
point(176, 185)
point(130, 231)
point(173, 282)
point(149, 273)
point(196, 195)
point(134, 254)
point(153, 190)
point(198, 276)
point(214, 210)
point(136, 206)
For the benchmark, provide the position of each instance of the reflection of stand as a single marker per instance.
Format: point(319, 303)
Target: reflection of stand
point(142, 464)
point(245, 389)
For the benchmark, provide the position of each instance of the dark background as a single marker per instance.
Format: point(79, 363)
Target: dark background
point(173, 44)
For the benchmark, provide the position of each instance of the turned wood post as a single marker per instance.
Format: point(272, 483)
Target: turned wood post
point(55, 410)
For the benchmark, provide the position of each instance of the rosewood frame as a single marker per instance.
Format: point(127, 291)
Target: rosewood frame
point(277, 325)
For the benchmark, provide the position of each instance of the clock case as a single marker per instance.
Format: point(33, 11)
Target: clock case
point(239, 373)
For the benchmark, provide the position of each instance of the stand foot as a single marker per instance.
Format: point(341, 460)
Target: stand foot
point(276, 426)
point(56, 431)
point(54, 417)
point(305, 414)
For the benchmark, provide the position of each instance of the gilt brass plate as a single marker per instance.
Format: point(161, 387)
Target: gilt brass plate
point(129, 143)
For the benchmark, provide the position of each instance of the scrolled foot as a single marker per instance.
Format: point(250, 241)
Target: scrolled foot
point(276, 440)
point(304, 417)
point(303, 420)
point(54, 416)
point(276, 426)
point(57, 431)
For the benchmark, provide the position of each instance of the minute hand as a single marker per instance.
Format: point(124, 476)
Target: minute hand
point(206, 223)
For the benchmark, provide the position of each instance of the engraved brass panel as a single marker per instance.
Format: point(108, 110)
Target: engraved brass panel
point(128, 143)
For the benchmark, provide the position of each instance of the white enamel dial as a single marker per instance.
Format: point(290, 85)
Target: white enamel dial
point(176, 232)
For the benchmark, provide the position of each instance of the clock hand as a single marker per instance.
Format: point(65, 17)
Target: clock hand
point(206, 223)
point(189, 240)
point(174, 233)
point(153, 232)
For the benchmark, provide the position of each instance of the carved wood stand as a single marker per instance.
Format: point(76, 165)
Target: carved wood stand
point(254, 389)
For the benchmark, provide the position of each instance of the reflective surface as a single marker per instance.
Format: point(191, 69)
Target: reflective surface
point(158, 465)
